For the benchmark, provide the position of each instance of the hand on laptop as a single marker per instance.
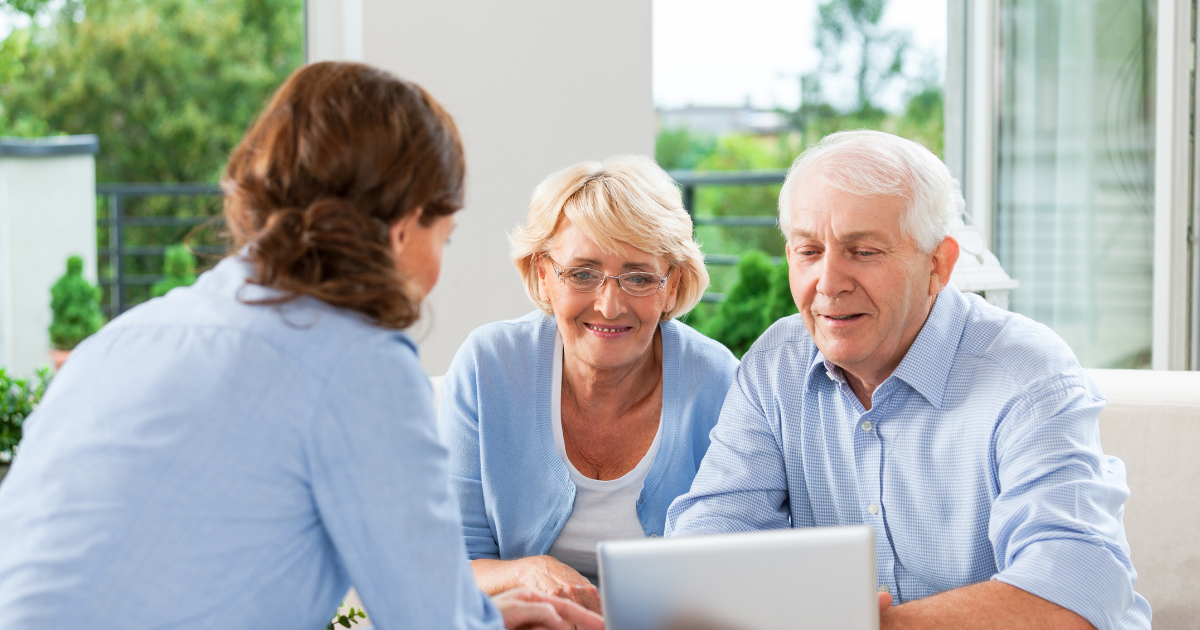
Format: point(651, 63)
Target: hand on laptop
point(548, 575)
point(530, 610)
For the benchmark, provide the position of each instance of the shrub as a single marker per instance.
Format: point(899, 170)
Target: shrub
point(76, 307)
point(760, 296)
point(18, 398)
point(179, 270)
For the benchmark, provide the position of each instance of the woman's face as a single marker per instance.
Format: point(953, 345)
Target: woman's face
point(606, 328)
point(418, 249)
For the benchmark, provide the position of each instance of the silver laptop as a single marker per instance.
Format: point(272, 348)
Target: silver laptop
point(821, 577)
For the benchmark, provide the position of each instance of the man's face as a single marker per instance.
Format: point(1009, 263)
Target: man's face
point(863, 288)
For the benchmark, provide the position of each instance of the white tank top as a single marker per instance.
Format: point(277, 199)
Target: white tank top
point(604, 510)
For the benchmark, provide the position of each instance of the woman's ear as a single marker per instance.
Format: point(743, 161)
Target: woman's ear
point(543, 286)
point(400, 232)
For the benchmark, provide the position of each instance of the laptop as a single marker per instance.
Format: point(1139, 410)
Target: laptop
point(821, 577)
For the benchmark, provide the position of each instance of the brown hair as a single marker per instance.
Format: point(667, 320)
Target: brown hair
point(342, 152)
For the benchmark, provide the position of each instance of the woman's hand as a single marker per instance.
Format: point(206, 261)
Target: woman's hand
point(529, 610)
point(540, 573)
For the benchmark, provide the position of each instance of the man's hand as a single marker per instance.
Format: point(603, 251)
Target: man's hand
point(885, 602)
point(529, 610)
point(540, 573)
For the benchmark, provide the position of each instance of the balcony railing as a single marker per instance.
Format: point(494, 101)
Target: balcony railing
point(690, 181)
point(118, 252)
point(121, 279)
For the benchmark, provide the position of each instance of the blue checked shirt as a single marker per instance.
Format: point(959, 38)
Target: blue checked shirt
point(979, 459)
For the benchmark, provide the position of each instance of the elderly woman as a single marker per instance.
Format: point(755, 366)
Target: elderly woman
point(582, 421)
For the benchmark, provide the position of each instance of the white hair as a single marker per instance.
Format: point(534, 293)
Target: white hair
point(874, 163)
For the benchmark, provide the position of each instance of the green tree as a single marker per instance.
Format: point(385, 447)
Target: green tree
point(179, 270)
point(878, 52)
point(75, 305)
point(168, 85)
point(758, 299)
point(681, 149)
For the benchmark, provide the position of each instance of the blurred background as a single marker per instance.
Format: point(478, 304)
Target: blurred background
point(1045, 111)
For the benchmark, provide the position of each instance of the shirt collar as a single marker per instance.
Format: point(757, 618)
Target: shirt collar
point(926, 366)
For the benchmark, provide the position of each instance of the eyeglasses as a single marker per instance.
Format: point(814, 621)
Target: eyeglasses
point(584, 279)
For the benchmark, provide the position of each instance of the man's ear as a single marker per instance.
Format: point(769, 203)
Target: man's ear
point(945, 255)
point(400, 232)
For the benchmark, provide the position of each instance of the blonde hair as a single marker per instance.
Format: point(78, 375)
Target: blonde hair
point(624, 198)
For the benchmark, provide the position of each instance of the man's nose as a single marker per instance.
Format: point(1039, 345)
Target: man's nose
point(834, 276)
point(609, 299)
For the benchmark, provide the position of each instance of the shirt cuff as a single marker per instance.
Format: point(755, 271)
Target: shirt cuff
point(1078, 575)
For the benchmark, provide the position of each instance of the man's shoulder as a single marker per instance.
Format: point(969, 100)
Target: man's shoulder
point(781, 355)
point(1024, 350)
point(786, 336)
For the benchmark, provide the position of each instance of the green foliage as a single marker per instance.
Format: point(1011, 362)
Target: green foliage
point(681, 149)
point(843, 24)
point(347, 619)
point(75, 304)
point(851, 29)
point(168, 85)
point(760, 296)
point(18, 399)
point(179, 270)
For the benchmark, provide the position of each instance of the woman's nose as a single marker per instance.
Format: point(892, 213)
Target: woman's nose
point(609, 301)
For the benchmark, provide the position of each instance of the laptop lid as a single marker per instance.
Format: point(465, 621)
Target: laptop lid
point(822, 577)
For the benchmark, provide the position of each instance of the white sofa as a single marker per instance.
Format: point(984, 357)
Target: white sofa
point(1152, 422)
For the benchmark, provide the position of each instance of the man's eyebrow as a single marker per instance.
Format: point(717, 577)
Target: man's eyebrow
point(846, 238)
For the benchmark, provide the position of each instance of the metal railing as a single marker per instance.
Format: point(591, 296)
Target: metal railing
point(690, 181)
point(117, 222)
point(119, 280)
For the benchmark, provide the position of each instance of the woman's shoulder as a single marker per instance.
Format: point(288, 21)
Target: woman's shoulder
point(513, 340)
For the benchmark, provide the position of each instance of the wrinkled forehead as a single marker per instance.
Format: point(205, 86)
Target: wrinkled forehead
point(819, 205)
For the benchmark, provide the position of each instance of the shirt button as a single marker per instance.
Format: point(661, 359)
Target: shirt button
point(873, 509)
point(654, 535)
point(883, 588)
point(866, 425)
point(830, 375)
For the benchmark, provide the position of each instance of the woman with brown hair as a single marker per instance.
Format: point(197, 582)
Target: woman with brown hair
point(238, 453)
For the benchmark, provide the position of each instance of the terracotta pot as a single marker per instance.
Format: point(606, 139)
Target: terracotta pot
point(59, 357)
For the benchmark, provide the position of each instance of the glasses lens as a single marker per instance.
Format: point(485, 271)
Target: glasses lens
point(582, 278)
point(639, 283)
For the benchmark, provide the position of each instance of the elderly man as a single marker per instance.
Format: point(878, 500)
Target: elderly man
point(965, 435)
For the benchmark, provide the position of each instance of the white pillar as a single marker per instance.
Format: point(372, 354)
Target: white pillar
point(47, 213)
point(534, 86)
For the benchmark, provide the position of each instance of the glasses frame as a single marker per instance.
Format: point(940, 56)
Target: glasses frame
point(662, 280)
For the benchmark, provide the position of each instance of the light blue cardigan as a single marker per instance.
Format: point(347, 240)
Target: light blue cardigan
point(494, 416)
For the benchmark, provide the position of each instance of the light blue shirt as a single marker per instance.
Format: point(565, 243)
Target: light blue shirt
point(979, 459)
point(494, 415)
point(204, 463)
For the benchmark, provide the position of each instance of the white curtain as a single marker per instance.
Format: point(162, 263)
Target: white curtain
point(1074, 214)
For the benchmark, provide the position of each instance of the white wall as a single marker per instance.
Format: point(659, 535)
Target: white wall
point(47, 213)
point(534, 86)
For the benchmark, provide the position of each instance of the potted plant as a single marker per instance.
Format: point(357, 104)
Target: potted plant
point(18, 398)
point(75, 303)
point(179, 270)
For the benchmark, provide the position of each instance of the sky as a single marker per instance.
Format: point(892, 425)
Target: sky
point(722, 52)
